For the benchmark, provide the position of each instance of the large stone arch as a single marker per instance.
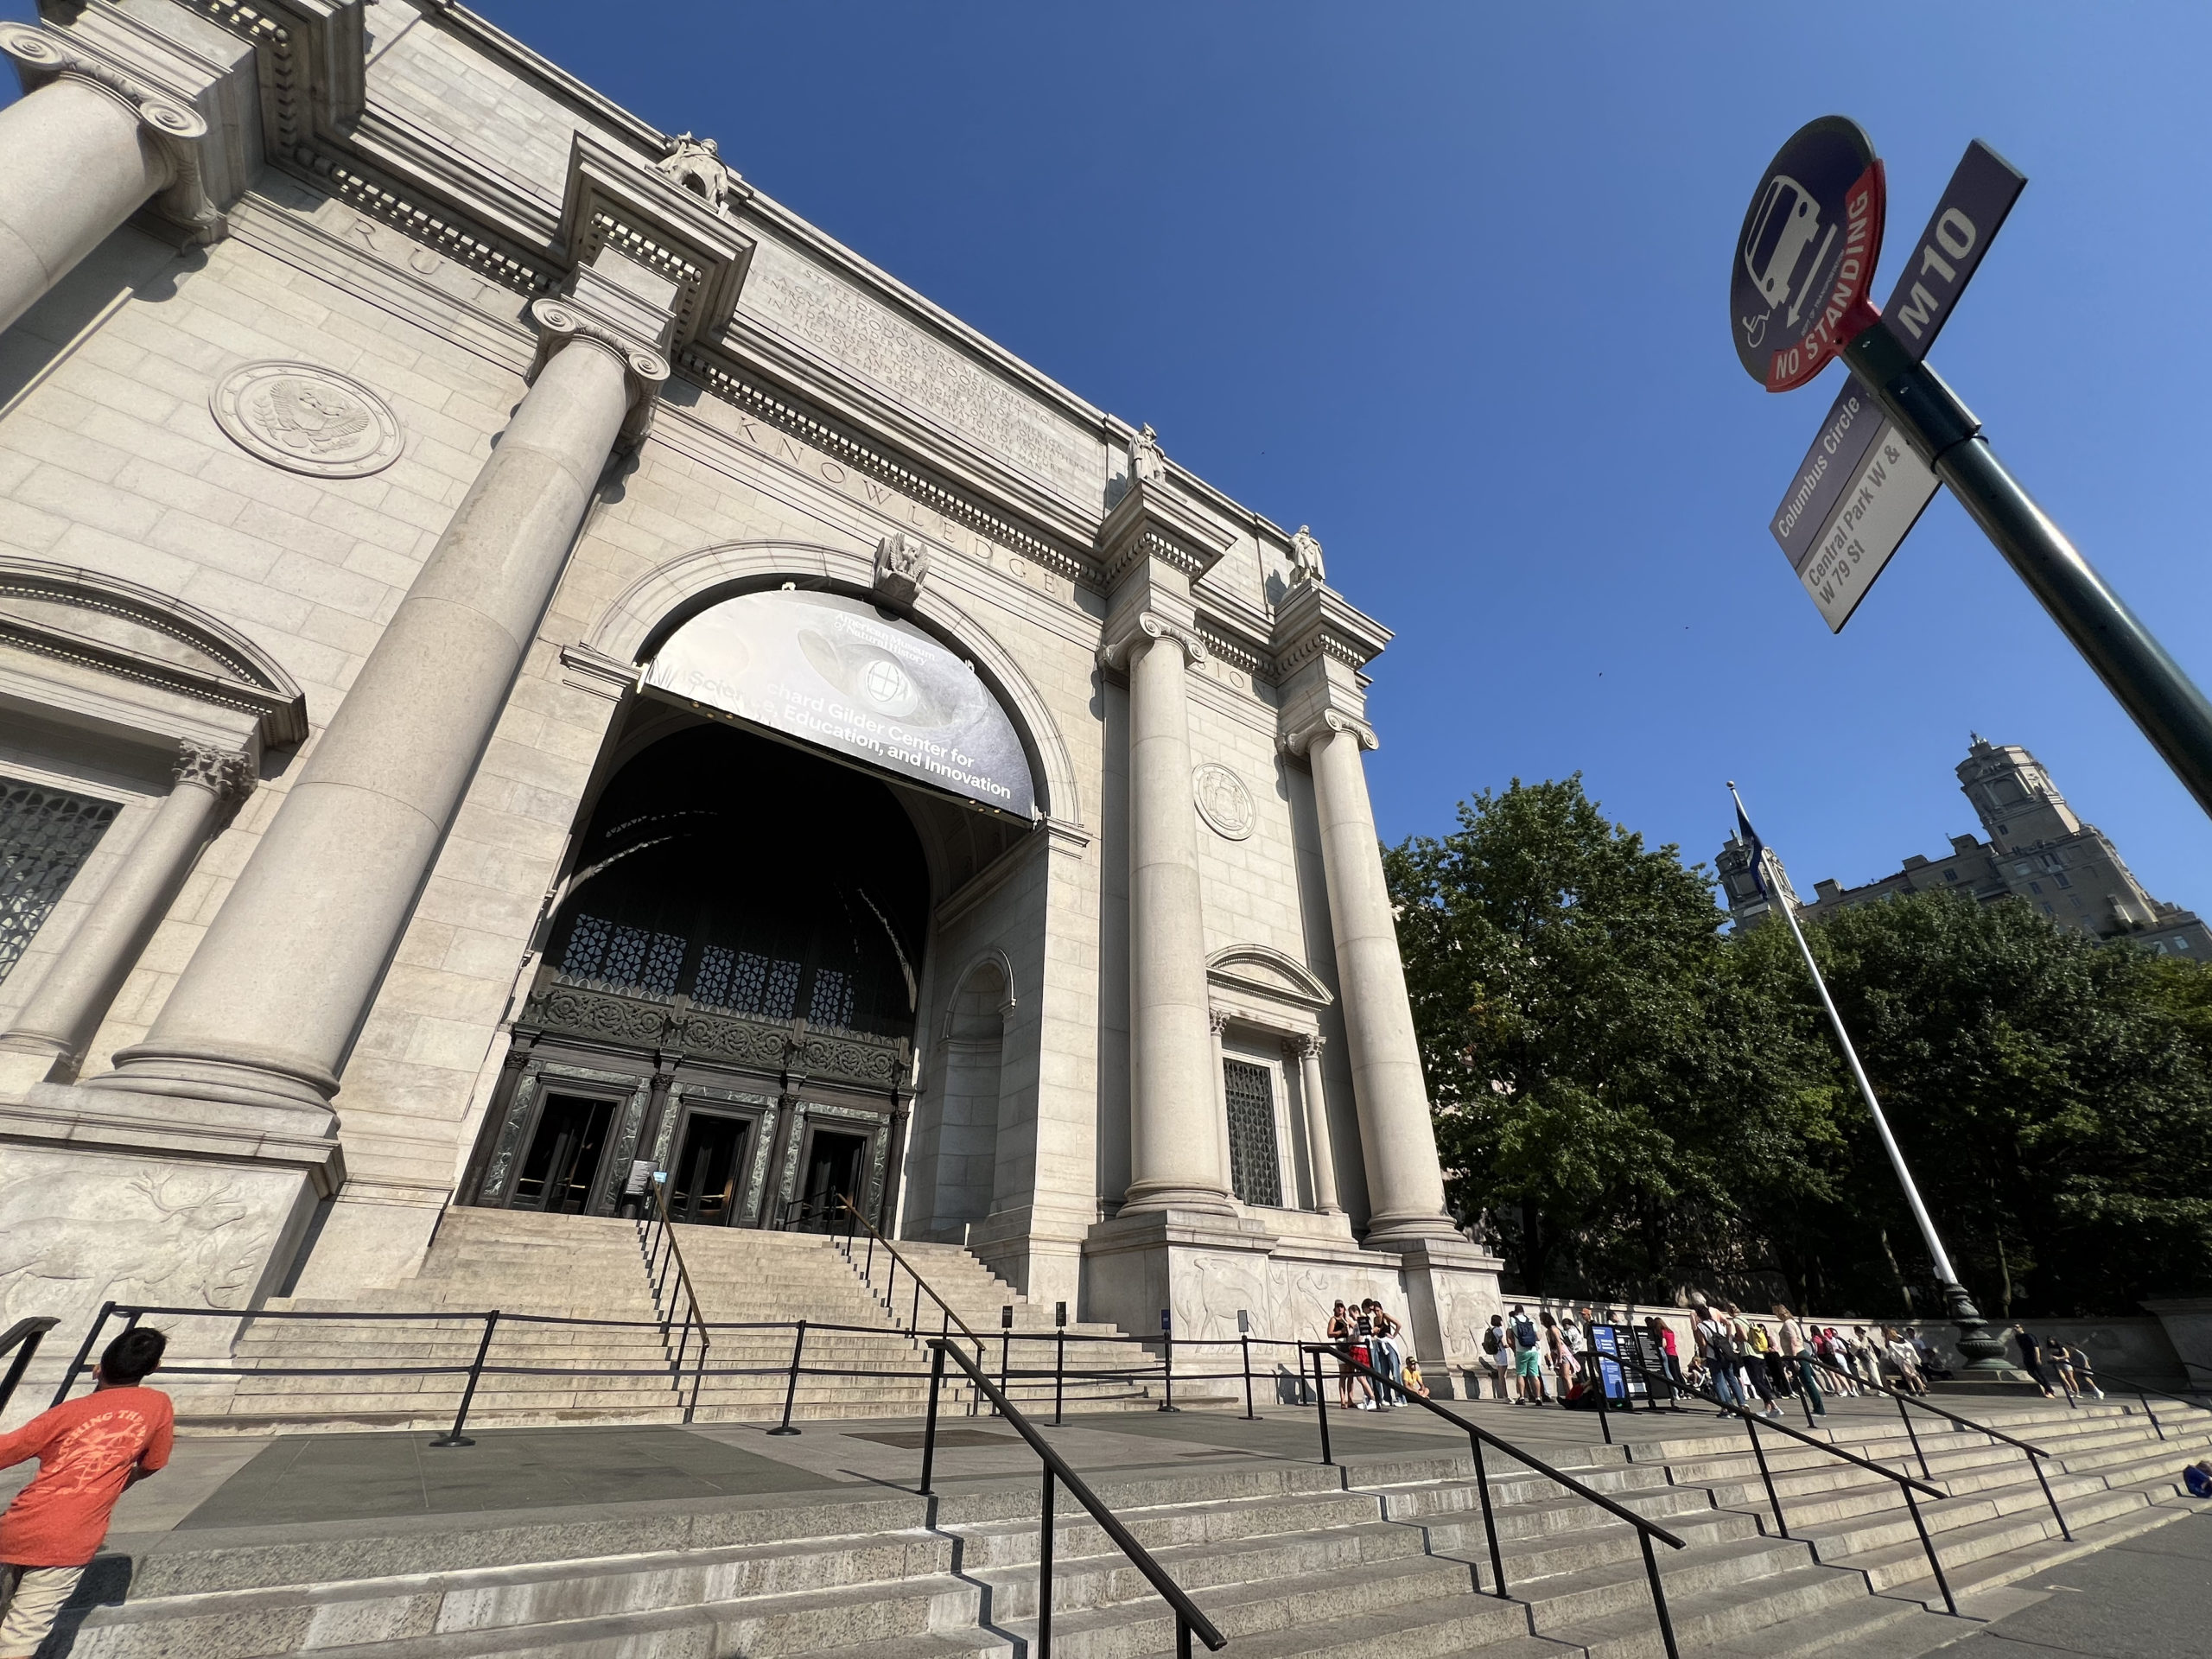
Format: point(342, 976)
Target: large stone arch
point(655, 605)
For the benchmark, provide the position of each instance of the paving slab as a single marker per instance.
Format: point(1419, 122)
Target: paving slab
point(2143, 1599)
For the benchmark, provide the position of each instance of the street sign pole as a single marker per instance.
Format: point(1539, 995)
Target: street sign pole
point(2161, 699)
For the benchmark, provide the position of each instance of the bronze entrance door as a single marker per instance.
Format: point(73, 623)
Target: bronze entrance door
point(563, 1163)
point(710, 1168)
point(835, 1165)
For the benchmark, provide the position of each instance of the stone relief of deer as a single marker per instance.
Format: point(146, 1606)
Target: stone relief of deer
point(197, 1244)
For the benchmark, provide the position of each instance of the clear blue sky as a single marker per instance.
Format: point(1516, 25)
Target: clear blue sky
point(1448, 282)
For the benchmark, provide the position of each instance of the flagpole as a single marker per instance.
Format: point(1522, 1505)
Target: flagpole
point(1984, 1352)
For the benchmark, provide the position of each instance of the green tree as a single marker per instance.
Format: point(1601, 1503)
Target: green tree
point(1606, 1086)
point(2052, 1094)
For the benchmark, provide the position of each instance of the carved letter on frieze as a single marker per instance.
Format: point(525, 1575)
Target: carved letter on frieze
point(902, 564)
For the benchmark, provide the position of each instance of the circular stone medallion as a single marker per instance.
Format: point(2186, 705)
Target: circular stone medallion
point(308, 419)
point(1224, 802)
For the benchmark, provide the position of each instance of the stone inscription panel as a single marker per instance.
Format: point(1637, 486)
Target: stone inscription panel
point(800, 299)
point(758, 435)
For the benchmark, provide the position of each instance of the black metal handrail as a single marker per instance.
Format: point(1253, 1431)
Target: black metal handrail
point(1906, 1484)
point(922, 1287)
point(2036, 1453)
point(1188, 1618)
point(1479, 1437)
point(2144, 1391)
point(650, 1237)
point(24, 1337)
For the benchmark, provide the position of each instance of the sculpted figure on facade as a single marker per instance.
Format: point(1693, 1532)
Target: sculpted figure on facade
point(1306, 557)
point(697, 165)
point(902, 564)
point(1146, 464)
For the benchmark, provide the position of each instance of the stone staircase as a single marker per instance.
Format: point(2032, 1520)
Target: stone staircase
point(540, 1268)
point(1290, 1559)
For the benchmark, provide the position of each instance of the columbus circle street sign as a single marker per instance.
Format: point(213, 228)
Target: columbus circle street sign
point(1806, 256)
point(1797, 296)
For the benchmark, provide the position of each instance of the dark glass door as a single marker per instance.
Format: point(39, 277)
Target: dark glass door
point(834, 1164)
point(563, 1163)
point(709, 1164)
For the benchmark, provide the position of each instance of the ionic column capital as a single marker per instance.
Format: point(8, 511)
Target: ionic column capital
point(1139, 628)
point(226, 775)
point(1300, 739)
point(45, 55)
point(645, 371)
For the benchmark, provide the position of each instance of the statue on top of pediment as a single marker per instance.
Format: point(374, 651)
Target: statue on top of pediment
point(697, 165)
point(1306, 557)
point(1146, 464)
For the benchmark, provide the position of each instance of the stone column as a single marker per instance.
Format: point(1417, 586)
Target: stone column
point(267, 1009)
point(1217, 1022)
point(1174, 1158)
point(78, 156)
point(1405, 1182)
point(1321, 1149)
point(78, 989)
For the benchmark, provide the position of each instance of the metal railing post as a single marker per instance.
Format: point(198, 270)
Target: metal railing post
point(1658, 1597)
point(1772, 1497)
point(1911, 1434)
point(1250, 1416)
point(452, 1436)
point(1044, 1573)
point(1059, 1372)
point(1167, 1371)
point(914, 1313)
point(2148, 1412)
point(1927, 1543)
point(1490, 1523)
point(2035, 1462)
point(699, 1370)
point(890, 1294)
point(1321, 1405)
point(791, 1388)
point(84, 1351)
point(929, 1432)
point(1604, 1405)
point(24, 1350)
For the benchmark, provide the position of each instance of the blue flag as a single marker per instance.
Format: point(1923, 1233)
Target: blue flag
point(1750, 839)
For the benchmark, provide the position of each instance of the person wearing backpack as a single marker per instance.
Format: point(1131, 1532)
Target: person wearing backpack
point(1719, 1354)
point(1527, 1359)
point(1496, 1354)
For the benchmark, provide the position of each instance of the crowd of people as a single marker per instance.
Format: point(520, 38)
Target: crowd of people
point(1376, 1367)
point(1742, 1363)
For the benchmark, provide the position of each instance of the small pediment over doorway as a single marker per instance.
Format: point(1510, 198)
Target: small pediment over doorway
point(77, 642)
point(1257, 970)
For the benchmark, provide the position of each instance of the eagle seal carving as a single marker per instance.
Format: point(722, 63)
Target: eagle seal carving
point(307, 419)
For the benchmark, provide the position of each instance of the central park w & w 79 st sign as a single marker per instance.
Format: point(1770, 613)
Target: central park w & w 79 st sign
point(1804, 263)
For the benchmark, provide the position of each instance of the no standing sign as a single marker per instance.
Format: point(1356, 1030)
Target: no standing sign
point(1806, 256)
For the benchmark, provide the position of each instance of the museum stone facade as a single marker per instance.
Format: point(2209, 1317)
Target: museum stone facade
point(525, 668)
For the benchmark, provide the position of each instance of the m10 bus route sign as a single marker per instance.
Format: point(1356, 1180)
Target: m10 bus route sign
point(1974, 204)
point(1805, 257)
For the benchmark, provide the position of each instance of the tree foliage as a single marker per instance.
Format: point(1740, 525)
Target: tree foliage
point(1643, 1102)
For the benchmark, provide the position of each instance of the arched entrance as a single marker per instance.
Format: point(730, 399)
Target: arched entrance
point(728, 995)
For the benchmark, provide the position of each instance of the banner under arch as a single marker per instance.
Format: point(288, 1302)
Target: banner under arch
point(838, 674)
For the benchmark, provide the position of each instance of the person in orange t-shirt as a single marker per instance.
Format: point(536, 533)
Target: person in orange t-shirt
point(88, 1451)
